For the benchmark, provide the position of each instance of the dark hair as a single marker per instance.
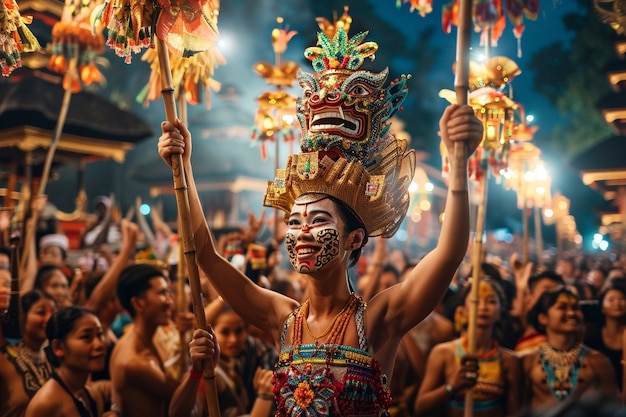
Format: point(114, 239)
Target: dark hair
point(44, 273)
point(31, 297)
point(388, 267)
point(60, 324)
point(497, 288)
point(352, 223)
point(550, 275)
point(547, 300)
point(617, 286)
point(135, 281)
point(487, 269)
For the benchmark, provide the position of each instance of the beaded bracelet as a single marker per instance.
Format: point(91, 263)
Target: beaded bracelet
point(268, 397)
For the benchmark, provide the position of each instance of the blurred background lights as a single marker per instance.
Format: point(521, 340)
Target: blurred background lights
point(145, 209)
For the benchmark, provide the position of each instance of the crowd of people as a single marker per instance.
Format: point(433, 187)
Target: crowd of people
point(118, 343)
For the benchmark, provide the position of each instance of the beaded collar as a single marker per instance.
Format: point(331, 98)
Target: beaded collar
point(561, 368)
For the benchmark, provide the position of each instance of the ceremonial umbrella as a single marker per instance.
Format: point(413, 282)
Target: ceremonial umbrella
point(184, 29)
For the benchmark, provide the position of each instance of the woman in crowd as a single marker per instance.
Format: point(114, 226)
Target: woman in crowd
point(242, 356)
point(76, 349)
point(51, 280)
point(493, 372)
point(23, 368)
point(607, 337)
point(562, 367)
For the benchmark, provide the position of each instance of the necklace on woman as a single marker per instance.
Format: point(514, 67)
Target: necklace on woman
point(561, 368)
point(32, 365)
point(336, 325)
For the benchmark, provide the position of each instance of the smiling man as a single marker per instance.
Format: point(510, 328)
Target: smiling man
point(141, 387)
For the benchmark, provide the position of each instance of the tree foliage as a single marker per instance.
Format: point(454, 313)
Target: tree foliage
point(571, 76)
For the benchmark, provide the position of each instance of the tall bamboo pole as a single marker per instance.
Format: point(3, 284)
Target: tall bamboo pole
point(181, 269)
point(477, 259)
point(65, 105)
point(525, 237)
point(538, 237)
point(186, 230)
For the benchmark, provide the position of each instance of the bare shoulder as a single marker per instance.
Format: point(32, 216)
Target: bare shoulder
point(596, 358)
point(444, 349)
point(49, 400)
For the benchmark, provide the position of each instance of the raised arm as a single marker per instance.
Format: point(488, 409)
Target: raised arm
point(404, 305)
point(105, 289)
point(245, 297)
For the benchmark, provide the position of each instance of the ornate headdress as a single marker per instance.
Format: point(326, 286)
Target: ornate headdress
point(347, 150)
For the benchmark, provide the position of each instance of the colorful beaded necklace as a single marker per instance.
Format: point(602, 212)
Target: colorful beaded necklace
point(561, 368)
point(336, 329)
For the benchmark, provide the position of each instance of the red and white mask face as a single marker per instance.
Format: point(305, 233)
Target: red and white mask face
point(314, 236)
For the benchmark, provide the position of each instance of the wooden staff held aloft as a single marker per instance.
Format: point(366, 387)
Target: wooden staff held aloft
point(186, 231)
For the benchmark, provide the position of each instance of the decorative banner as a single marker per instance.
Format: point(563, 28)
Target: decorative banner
point(276, 112)
point(15, 37)
point(193, 76)
point(187, 28)
point(488, 16)
point(72, 37)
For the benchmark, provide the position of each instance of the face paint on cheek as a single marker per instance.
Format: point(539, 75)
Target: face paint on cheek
point(290, 243)
point(329, 239)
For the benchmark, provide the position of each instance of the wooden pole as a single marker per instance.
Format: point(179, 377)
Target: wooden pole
point(477, 260)
point(459, 181)
point(65, 105)
point(181, 268)
point(525, 234)
point(538, 236)
point(461, 87)
point(186, 230)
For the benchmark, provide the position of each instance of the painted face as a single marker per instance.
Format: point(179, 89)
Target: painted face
point(488, 304)
point(57, 287)
point(37, 318)
point(84, 347)
point(565, 315)
point(489, 307)
point(313, 237)
point(231, 333)
point(5, 289)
